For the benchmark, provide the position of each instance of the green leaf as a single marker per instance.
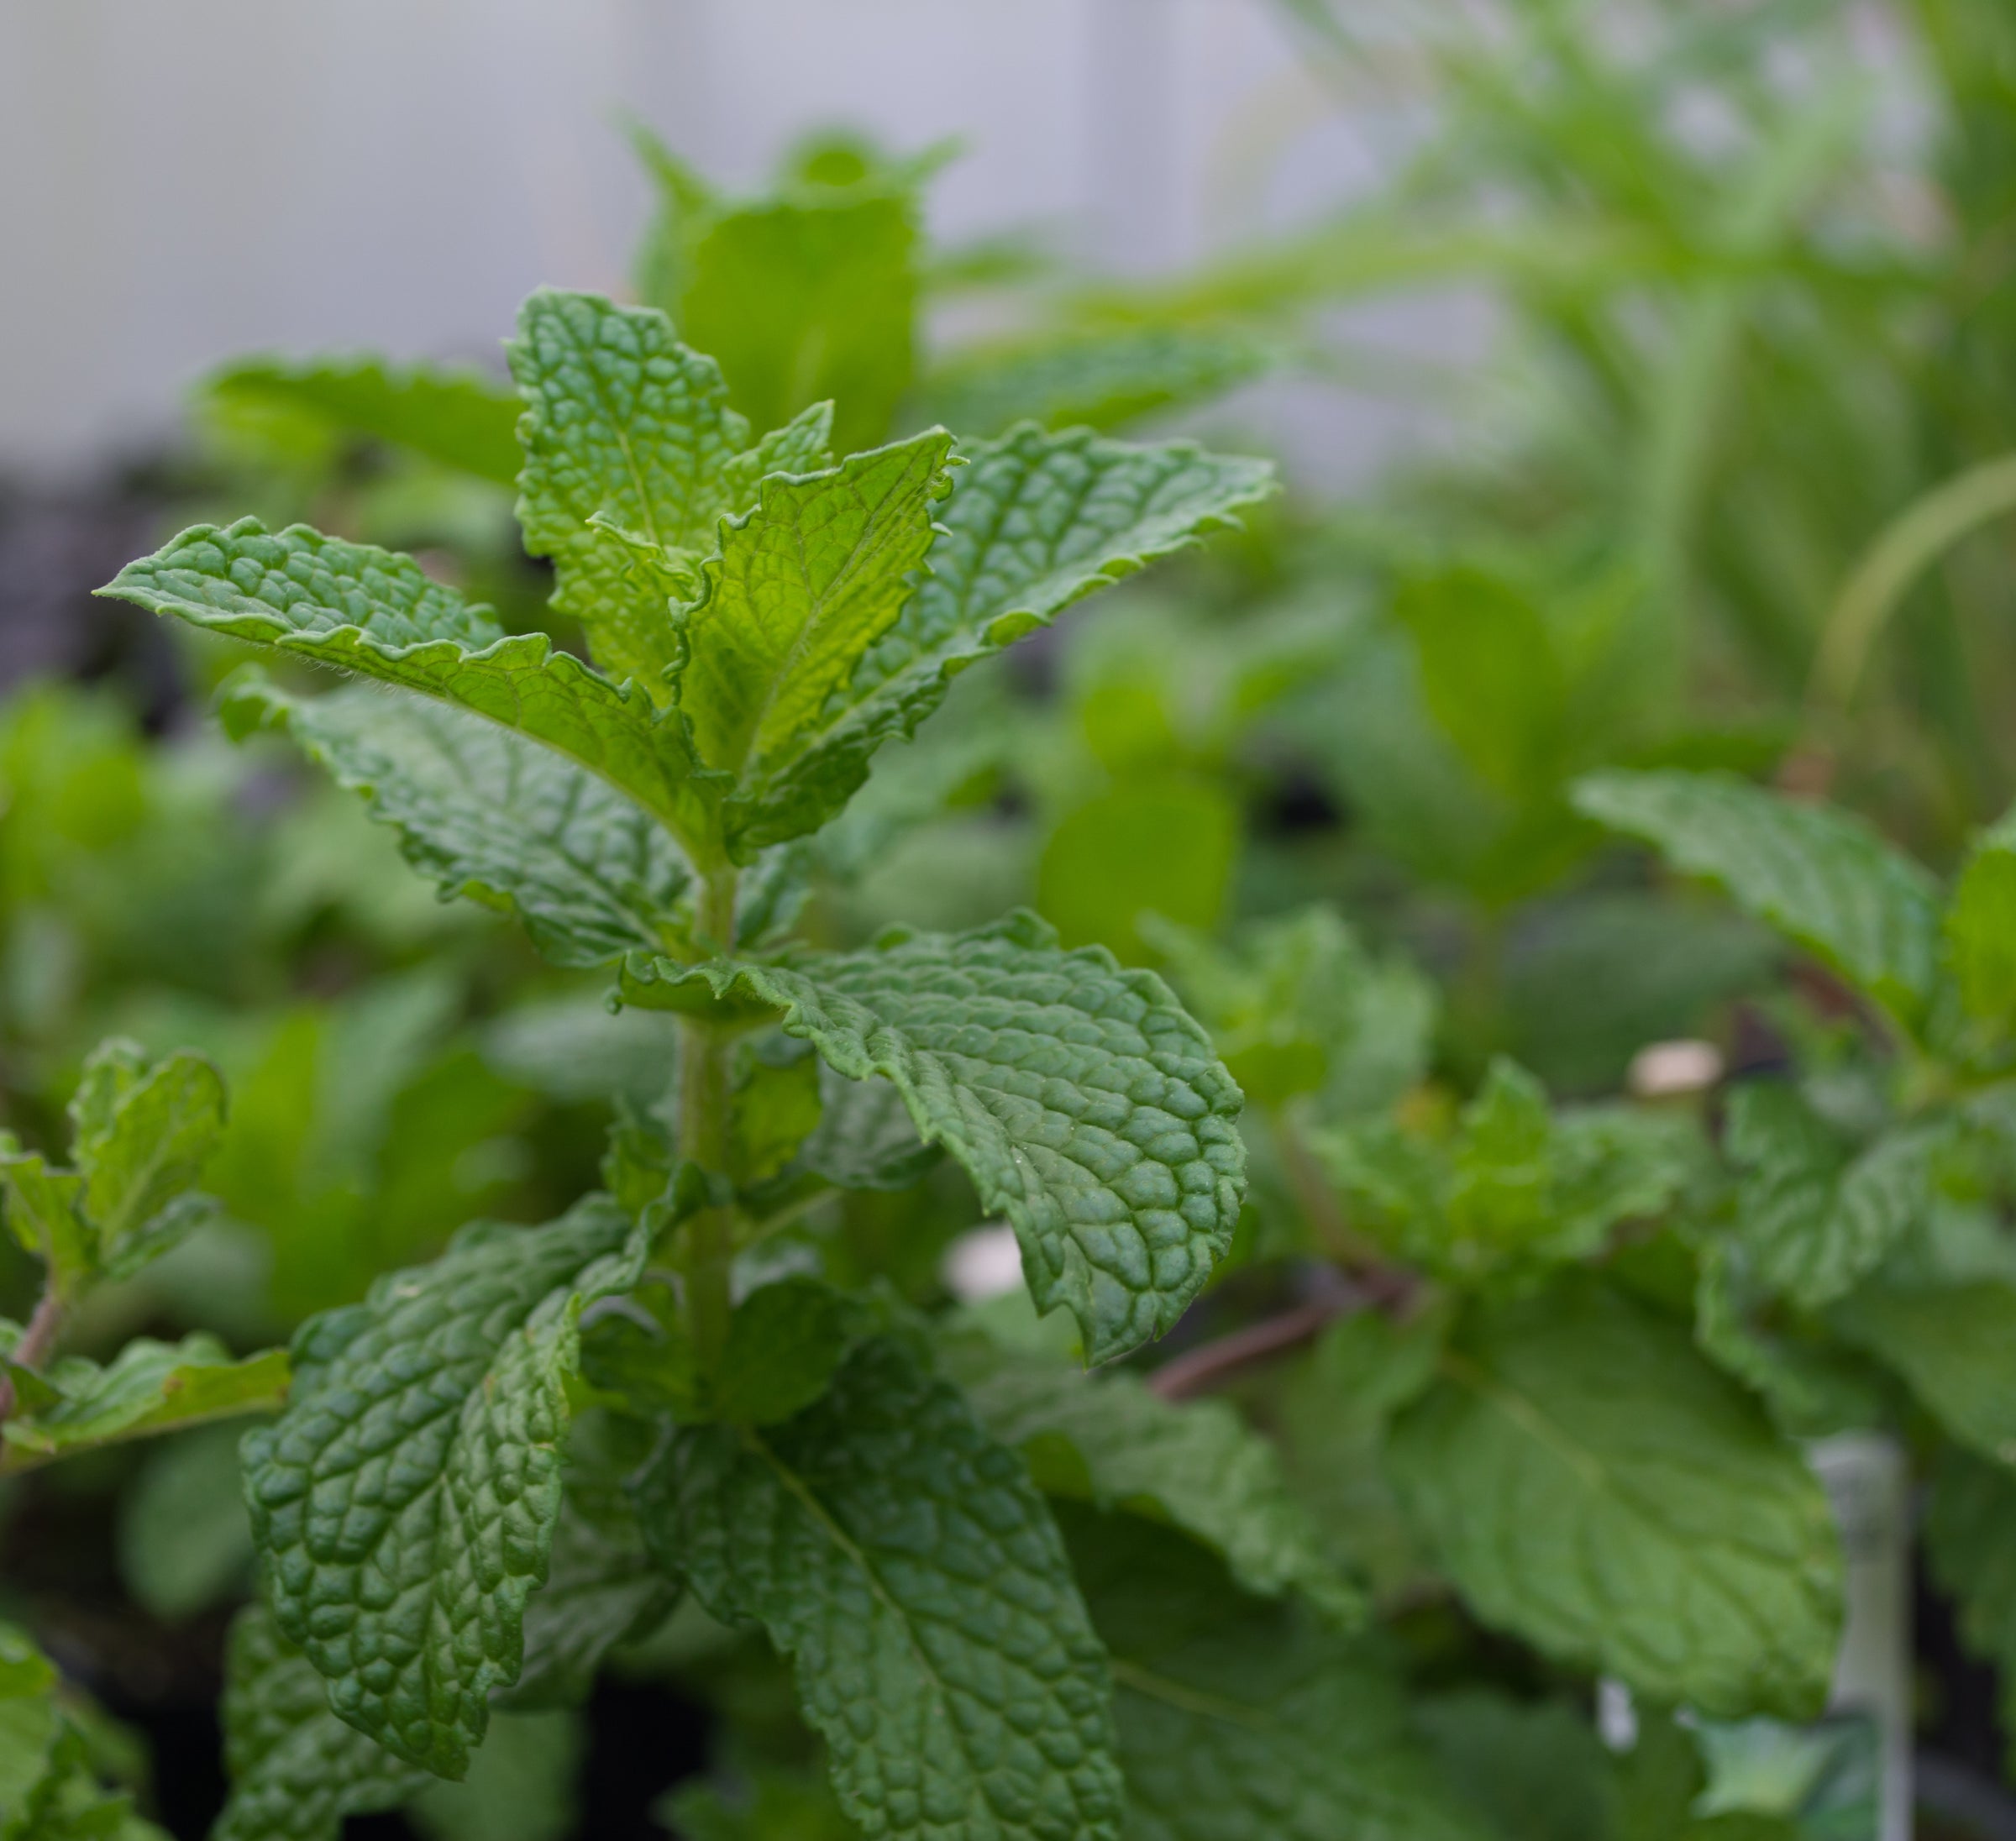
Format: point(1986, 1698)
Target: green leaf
point(1100, 377)
point(784, 1342)
point(185, 1544)
point(44, 1207)
point(1238, 1719)
point(49, 1762)
point(1511, 1188)
point(365, 610)
point(902, 1560)
point(803, 586)
point(405, 1504)
point(143, 1135)
point(458, 417)
point(486, 814)
point(1109, 1441)
point(1082, 1100)
point(806, 298)
point(148, 1387)
point(775, 1804)
point(297, 1770)
point(1536, 1770)
point(1953, 1344)
point(1591, 1485)
point(1034, 522)
point(1812, 1220)
point(1980, 926)
point(1821, 877)
point(804, 444)
point(520, 1787)
point(1971, 1508)
point(1296, 1005)
point(623, 423)
point(864, 1138)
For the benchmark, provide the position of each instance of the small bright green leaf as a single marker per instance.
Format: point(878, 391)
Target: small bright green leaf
point(405, 1504)
point(1812, 1220)
point(1108, 1440)
point(1512, 1187)
point(1980, 926)
point(1821, 877)
point(49, 1763)
point(297, 1770)
point(624, 423)
point(772, 1804)
point(457, 416)
point(1101, 378)
point(485, 814)
point(1083, 1101)
point(44, 1207)
point(365, 610)
point(1972, 1509)
point(901, 1559)
point(1240, 1719)
point(1954, 1344)
point(148, 1387)
point(804, 584)
point(1165, 846)
point(144, 1134)
point(777, 1107)
point(804, 444)
point(807, 298)
point(1296, 1005)
point(1592, 1485)
point(1034, 522)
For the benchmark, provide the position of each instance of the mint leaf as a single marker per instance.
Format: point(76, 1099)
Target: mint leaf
point(144, 1133)
point(804, 584)
point(297, 1770)
point(521, 1786)
point(806, 298)
point(405, 1504)
point(1102, 378)
point(486, 814)
point(1084, 1103)
point(1812, 1220)
point(44, 1209)
point(804, 444)
point(1821, 877)
point(49, 1786)
point(365, 610)
point(148, 1387)
point(1968, 1516)
point(1035, 522)
point(865, 1138)
point(1240, 1719)
point(1511, 1188)
point(902, 1560)
point(1535, 1771)
point(1955, 1346)
point(624, 423)
point(456, 416)
point(1981, 924)
point(1107, 1440)
point(1591, 1485)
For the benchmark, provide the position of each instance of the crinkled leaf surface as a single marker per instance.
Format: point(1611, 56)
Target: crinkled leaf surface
point(903, 1560)
point(804, 584)
point(365, 610)
point(1819, 875)
point(1107, 1440)
point(1954, 1343)
point(297, 1770)
point(1590, 1484)
point(1240, 1719)
point(149, 1386)
point(1084, 1102)
point(458, 417)
point(1034, 522)
point(624, 423)
point(405, 1504)
point(1813, 1220)
point(486, 814)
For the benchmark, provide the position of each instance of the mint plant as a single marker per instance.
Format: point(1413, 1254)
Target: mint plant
point(763, 619)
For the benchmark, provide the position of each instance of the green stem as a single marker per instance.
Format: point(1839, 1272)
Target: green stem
point(705, 1137)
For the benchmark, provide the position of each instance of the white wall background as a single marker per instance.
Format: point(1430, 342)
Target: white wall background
point(184, 179)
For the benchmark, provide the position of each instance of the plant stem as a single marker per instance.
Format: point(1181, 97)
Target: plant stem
point(37, 1342)
point(705, 1135)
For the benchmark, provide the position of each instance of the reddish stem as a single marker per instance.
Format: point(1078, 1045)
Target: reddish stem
point(38, 1341)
